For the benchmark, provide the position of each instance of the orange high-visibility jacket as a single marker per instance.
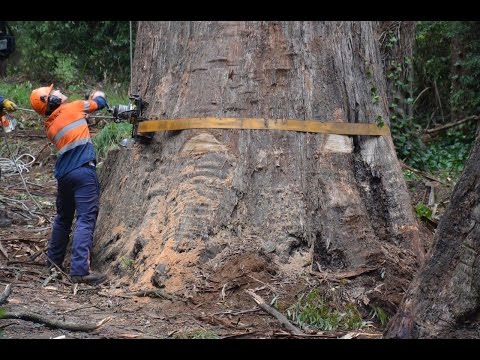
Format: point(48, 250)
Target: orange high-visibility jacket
point(67, 127)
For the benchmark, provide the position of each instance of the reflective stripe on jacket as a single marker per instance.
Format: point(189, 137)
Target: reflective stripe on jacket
point(67, 128)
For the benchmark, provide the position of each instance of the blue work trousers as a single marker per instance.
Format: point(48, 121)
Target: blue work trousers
point(78, 191)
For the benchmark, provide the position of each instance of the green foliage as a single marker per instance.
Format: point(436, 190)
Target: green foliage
point(65, 69)
point(126, 262)
point(423, 211)
point(379, 121)
point(392, 40)
point(411, 176)
point(109, 137)
point(18, 92)
point(69, 52)
point(443, 88)
point(379, 314)
point(313, 310)
point(374, 95)
point(457, 82)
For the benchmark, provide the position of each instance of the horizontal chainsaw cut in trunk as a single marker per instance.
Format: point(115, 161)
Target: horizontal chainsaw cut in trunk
point(195, 200)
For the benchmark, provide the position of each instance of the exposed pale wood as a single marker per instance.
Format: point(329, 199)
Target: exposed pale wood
point(275, 313)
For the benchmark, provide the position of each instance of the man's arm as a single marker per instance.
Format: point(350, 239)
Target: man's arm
point(100, 98)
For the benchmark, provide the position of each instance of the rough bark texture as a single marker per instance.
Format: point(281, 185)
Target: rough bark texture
point(457, 54)
point(397, 40)
point(193, 199)
point(443, 300)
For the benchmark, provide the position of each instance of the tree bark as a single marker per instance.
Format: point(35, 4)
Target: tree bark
point(193, 199)
point(3, 67)
point(443, 300)
point(397, 40)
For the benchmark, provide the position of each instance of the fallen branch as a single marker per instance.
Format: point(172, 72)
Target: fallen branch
point(235, 313)
point(30, 135)
point(6, 293)
point(449, 125)
point(424, 174)
point(36, 263)
point(267, 285)
point(38, 253)
point(16, 238)
point(276, 314)
point(333, 335)
point(53, 276)
point(243, 335)
point(3, 251)
point(152, 293)
point(66, 325)
point(338, 276)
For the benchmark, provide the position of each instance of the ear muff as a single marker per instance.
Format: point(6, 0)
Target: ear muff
point(53, 103)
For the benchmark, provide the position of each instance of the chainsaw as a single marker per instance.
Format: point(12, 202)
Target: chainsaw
point(8, 123)
point(131, 113)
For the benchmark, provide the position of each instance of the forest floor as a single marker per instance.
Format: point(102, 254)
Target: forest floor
point(44, 307)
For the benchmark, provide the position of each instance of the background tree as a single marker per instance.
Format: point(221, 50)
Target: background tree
point(397, 40)
point(196, 200)
point(446, 67)
point(443, 300)
point(7, 46)
point(73, 52)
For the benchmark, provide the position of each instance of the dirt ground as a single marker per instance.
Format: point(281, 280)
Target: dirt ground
point(43, 307)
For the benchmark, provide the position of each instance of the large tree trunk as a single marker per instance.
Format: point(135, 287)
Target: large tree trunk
point(443, 301)
point(195, 199)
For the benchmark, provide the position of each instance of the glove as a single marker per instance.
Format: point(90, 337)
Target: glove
point(9, 105)
point(97, 94)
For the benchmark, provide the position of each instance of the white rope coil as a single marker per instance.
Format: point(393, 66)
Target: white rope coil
point(8, 167)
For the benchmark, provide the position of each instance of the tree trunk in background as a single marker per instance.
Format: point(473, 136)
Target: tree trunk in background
point(443, 300)
point(3, 67)
point(194, 199)
point(397, 40)
point(457, 54)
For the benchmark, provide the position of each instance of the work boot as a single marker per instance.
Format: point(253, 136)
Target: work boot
point(93, 278)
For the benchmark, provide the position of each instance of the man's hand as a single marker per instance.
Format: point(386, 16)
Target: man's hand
point(97, 94)
point(9, 105)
